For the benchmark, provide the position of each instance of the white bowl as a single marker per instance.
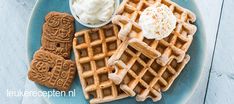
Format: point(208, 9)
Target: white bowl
point(92, 25)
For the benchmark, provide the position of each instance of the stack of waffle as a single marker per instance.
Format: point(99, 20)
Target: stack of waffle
point(116, 61)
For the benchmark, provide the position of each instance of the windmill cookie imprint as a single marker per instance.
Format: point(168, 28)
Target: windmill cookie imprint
point(57, 33)
point(52, 70)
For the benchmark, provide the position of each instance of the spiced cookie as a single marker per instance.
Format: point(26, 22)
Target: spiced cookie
point(57, 35)
point(52, 70)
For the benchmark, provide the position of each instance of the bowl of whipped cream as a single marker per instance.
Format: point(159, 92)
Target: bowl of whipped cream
point(93, 13)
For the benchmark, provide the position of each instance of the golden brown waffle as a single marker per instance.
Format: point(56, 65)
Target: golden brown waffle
point(126, 55)
point(144, 76)
point(175, 45)
point(92, 48)
point(52, 70)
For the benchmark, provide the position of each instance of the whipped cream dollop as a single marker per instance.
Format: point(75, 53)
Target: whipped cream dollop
point(94, 11)
point(157, 21)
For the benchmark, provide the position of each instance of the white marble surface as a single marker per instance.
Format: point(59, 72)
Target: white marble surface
point(210, 12)
point(13, 64)
point(221, 84)
point(15, 16)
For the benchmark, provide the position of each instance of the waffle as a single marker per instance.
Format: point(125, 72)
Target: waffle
point(126, 55)
point(92, 48)
point(144, 77)
point(175, 45)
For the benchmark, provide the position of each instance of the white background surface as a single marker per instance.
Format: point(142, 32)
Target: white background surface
point(215, 87)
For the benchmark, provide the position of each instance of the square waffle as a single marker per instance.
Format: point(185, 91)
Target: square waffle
point(126, 55)
point(143, 76)
point(92, 48)
point(175, 45)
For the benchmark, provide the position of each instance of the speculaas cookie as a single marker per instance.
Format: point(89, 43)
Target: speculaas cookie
point(52, 70)
point(57, 34)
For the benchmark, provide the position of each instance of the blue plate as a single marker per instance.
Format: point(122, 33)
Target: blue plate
point(179, 92)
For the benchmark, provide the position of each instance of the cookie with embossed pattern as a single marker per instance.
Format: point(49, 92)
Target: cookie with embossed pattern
point(57, 34)
point(52, 70)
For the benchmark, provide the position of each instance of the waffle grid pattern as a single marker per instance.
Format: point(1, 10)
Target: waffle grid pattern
point(93, 48)
point(174, 46)
point(144, 76)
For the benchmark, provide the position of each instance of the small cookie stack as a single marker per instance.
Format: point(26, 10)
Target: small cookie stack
point(50, 65)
